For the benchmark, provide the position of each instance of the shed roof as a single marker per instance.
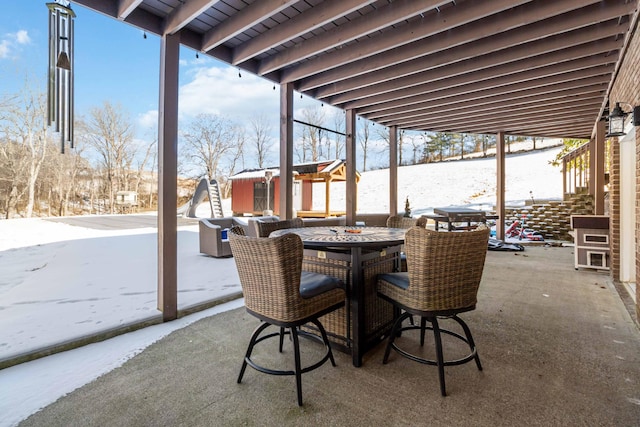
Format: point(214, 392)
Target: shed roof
point(331, 170)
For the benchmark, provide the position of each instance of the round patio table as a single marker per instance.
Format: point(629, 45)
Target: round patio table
point(369, 251)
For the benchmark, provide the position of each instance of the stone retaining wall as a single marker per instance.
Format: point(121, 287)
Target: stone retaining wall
point(553, 218)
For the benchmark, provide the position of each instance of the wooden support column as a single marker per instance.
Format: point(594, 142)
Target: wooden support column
point(591, 183)
point(352, 189)
point(564, 177)
point(393, 170)
point(327, 198)
point(167, 177)
point(286, 151)
point(598, 171)
point(500, 186)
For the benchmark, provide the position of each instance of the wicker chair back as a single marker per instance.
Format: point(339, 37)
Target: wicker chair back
point(266, 228)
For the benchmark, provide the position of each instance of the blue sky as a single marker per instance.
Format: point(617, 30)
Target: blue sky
point(115, 63)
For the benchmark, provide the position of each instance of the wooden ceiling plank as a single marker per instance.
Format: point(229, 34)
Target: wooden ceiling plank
point(182, 15)
point(312, 18)
point(242, 21)
point(382, 17)
point(487, 79)
point(509, 117)
point(555, 49)
point(505, 117)
point(546, 104)
point(459, 15)
point(463, 43)
point(483, 89)
point(487, 96)
point(492, 103)
point(394, 39)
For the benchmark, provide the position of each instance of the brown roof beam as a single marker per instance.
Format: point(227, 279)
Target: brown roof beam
point(503, 31)
point(482, 81)
point(451, 17)
point(550, 50)
point(486, 88)
point(125, 7)
point(509, 116)
point(312, 18)
point(371, 22)
point(588, 85)
point(242, 21)
point(513, 107)
point(183, 14)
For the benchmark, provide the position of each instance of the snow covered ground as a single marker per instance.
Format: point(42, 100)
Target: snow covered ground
point(59, 281)
point(470, 182)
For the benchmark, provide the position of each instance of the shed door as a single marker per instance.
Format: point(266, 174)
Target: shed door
point(260, 196)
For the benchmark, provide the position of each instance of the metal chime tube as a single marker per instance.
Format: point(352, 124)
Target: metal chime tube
point(60, 112)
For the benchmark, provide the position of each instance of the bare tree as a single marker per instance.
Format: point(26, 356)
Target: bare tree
point(383, 133)
point(311, 147)
point(416, 143)
point(61, 177)
point(110, 133)
point(210, 143)
point(260, 138)
point(235, 157)
point(26, 126)
point(339, 140)
point(364, 132)
point(12, 173)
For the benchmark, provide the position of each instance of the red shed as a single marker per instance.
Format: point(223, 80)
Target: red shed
point(249, 189)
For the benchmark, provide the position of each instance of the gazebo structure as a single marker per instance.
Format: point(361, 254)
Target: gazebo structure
point(502, 67)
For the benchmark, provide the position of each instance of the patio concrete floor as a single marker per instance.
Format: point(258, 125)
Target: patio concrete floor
point(558, 348)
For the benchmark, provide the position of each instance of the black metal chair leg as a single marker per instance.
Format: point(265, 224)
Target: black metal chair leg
point(423, 328)
point(395, 331)
point(472, 344)
point(439, 356)
point(298, 369)
point(252, 342)
point(281, 338)
point(325, 339)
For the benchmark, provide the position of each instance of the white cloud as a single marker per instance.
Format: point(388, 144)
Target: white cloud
point(220, 91)
point(4, 49)
point(22, 37)
point(11, 40)
point(148, 120)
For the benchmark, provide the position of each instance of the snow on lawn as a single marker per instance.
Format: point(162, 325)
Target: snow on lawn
point(468, 182)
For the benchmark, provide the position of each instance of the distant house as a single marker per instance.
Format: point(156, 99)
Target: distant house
point(249, 189)
point(126, 201)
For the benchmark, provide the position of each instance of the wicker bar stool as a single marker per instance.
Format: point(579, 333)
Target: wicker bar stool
point(399, 221)
point(279, 293)
point(444, 272)
point(266, 228)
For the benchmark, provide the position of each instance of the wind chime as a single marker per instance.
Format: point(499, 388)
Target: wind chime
point(60, 75)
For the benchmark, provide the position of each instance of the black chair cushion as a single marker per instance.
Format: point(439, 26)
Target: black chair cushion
point(314, 284)
point(400, 280)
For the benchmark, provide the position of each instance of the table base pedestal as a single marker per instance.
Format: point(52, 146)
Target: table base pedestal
point(366, 319)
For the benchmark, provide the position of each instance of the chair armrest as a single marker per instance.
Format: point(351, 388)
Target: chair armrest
point(211, 242)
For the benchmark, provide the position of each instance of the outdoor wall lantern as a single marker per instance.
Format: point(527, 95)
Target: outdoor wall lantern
point(617, 118)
